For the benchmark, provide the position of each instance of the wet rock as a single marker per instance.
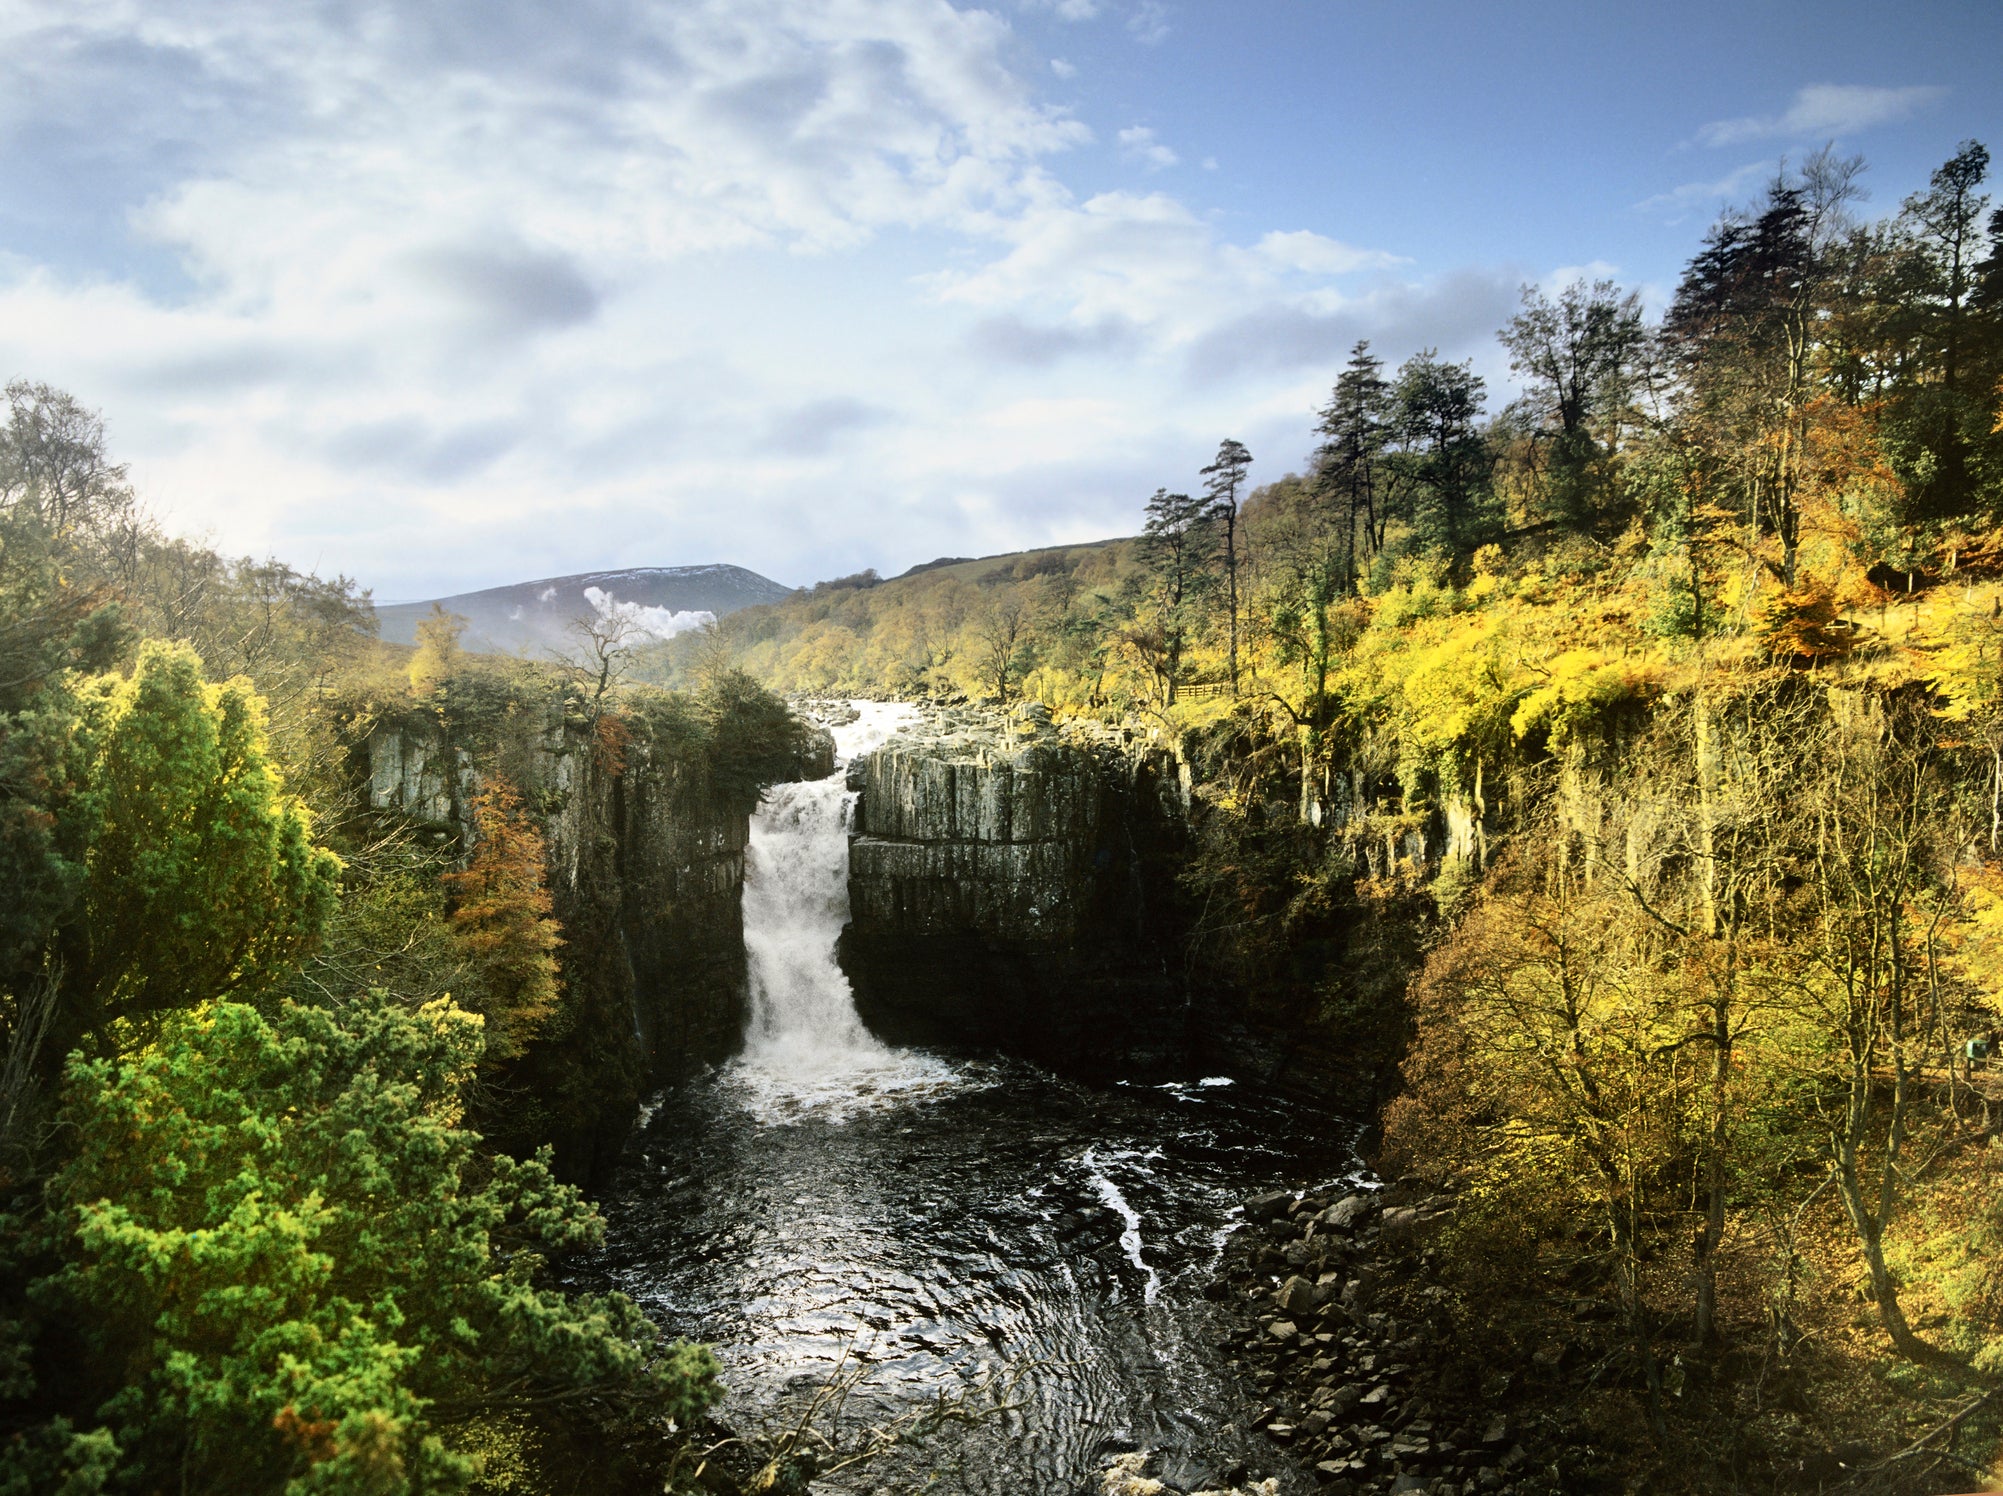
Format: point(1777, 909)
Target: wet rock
point(1127, 1476)
point(1346, 1212)
point(1296, 1296)
point(1268, 1206)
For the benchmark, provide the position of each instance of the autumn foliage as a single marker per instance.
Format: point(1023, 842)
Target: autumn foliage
point(501, 919)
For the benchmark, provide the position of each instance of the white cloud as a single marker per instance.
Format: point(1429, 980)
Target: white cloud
point(653, 623)
point(1062, 68)
point(1148, 22)
point(445, 293)
point(1138, 143)
point(1317, 255)
point(1824, 109)
point(1679, 202)
point(1066, 10)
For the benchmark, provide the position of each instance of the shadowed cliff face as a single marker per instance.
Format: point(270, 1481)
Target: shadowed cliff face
point(646, 872)
point(1011, 885)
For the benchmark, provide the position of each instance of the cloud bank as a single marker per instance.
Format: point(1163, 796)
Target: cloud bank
point(440, 293)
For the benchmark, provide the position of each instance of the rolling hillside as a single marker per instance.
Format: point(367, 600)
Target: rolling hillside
point(537, 616)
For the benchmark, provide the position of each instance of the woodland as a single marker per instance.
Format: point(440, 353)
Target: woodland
point(1622, 767)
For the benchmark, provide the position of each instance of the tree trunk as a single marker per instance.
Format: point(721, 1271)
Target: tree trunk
point(1231, 583)
point(1704, 733)
point(1870, 1241)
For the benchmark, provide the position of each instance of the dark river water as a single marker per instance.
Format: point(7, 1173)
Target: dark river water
point(945, 1220)
point(1003, 1219)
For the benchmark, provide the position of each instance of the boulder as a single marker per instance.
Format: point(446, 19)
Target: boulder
point(1296, 1296)
point(1346, 1212)
point(1268, 1207)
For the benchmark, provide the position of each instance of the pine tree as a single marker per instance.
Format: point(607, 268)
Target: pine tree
point(1226, 475)
point(1443, 457)
point(1354, 430)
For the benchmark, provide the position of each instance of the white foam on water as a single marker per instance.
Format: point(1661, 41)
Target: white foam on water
point(1130, 1238)
point(806, 1052)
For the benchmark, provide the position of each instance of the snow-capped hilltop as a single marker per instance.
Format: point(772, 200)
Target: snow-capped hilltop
point(537, 616)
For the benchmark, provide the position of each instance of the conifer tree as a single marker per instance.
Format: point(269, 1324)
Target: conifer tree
point(1354, 431)
point(1226, 475)
point(1176, 544)
point(1442, 456)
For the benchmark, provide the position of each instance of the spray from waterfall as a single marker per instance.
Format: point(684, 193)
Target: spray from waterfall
point(805, 1048)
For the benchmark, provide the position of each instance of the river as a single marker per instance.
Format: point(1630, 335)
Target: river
point(946, 1219)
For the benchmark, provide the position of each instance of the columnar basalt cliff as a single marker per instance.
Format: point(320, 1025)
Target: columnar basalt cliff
point(1013, 884)
point(646, 873)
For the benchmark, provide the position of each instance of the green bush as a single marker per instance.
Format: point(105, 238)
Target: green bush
point(280, 1241)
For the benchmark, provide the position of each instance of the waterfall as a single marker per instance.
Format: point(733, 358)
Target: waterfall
point(805, 1049)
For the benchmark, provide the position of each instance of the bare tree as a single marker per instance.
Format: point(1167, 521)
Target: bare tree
point(1002, 631)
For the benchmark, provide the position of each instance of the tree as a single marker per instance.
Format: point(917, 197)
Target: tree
point(1310, 558)
point(1225, 475)
point(200, 879)
point(1176, 544)
point(1442, 457)
point(501, 920)
point(1882, 829)
point(1577, 357)
point(438, 654)
point(1354, 430)
point(1745, 328)
point(751, 738)
point(1002, 630)
point(1542, 1065)
point(1939, 421)
point(52, 453)
point(296, 1271)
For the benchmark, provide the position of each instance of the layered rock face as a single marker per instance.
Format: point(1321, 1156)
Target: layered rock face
point(1009, 884)
point(646, 872)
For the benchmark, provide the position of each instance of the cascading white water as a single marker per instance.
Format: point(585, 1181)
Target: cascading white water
point(805, 1049)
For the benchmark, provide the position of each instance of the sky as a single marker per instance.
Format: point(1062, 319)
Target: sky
point(444, 294)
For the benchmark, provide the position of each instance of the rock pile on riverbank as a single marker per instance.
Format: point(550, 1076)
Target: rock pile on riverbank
point(1344, 1338)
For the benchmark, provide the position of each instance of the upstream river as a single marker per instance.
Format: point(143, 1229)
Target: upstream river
point(956, 1224)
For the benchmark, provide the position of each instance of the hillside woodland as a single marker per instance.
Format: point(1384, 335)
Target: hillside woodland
point(277, 1209)
point(1623, 769)
point(1651, 727)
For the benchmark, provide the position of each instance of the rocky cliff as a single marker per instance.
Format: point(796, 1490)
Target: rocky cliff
point(646, 872)
point(1012, 884)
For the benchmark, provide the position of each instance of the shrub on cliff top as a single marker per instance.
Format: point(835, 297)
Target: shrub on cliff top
point(753, 737)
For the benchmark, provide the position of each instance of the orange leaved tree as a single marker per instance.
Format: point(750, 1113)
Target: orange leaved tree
point(501, 918)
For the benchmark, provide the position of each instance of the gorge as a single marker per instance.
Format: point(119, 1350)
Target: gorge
point(947, 1216)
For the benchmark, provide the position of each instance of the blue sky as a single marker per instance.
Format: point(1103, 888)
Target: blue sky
point(444, 294)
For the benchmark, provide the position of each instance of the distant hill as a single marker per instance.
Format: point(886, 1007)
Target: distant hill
point(537, 616)
point(933, 631)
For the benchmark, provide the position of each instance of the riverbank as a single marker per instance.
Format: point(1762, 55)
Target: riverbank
point(1383, 1362)
point(1346, 1345)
